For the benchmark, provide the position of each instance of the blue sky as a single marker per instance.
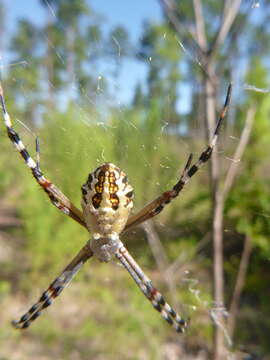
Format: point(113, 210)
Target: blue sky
point(130, 14)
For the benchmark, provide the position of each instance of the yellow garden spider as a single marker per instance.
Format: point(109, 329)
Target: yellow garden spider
point(107, 199)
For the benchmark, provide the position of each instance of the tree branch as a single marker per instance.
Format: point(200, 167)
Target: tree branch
point(179, 261)
point(218, 215)
point(156, 246)
point(170, 10)
point(230, 177)
point(229, 15)
point(239, 285)
point(200, 25)
point(160, 256)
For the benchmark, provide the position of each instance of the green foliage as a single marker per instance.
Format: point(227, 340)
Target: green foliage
point(251, 216)
point(4, 288)
point(143, 139)
point(69, 12)
point(25, 41)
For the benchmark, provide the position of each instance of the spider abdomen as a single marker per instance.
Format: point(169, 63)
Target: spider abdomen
point(106, 200)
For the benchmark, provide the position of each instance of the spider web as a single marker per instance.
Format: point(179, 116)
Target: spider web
point(101, 128)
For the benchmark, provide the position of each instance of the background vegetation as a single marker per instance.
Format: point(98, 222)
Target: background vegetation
point(54, 91)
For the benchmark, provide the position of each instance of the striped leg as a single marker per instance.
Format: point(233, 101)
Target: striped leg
point(54, 289)
point(157, 205)
point(152, 294)
point(56, 196)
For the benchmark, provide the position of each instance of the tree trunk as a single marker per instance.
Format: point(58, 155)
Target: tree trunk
point(217, 213)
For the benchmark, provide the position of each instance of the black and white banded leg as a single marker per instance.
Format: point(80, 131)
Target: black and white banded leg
point(151, 293)
point(55, 289)
point(157, 205)
point(56, 196)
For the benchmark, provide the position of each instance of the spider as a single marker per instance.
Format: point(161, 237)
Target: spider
point(107, 199)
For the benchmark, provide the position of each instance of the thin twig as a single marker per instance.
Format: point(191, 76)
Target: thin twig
point(160, 256)
point(200, 25)
point(178, 262)
point(230, 177)
point(156, 246)
point(229, 15)
point(220, 198)
point(170, 9)
point(239, 285)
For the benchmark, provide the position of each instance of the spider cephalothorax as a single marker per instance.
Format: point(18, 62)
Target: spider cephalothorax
point(106, 202)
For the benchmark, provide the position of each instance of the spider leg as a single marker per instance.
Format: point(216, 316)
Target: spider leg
point(38, 153)
point(157, 205)
point(150, 292)
point(54, 289)
point(57, 198)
